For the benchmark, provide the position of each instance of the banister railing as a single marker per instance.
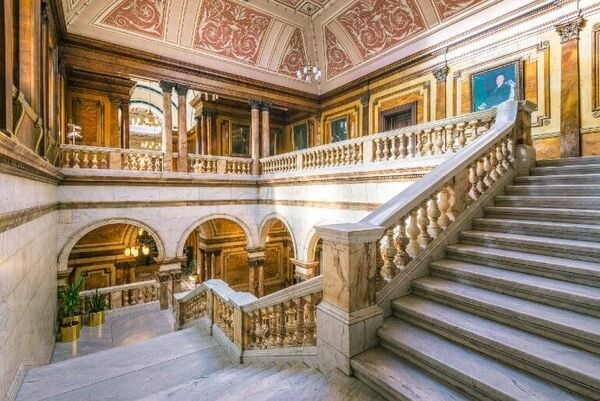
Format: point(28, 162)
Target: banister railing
point(430, 139)
point(219, 164)
point(95, 157)
point(122, 296)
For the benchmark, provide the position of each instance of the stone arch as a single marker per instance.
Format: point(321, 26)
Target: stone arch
point(63, 257)
point(312, 238)
point(264, 229)
point(250, 238)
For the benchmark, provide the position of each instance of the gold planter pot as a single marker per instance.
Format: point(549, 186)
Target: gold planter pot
point(96, 319)
point(69, 333)
point(76, 318)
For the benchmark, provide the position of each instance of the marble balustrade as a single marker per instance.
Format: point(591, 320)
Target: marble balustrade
point(122, 296)
point(219, 164)
point(100, 158)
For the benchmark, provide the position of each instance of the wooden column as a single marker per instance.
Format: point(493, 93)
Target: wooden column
point(266, 130)
point(570, 119)
point(114, 137)
point(167, 135)
point(125, 124)
point(318, 140)
point(255, 135)
point(364, 101)
point(6, 67)
point(210, 145)
point(182, 160)
point(198, 138)
point(440, 75)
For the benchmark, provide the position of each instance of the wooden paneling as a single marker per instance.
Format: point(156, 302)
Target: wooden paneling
point(89, 112)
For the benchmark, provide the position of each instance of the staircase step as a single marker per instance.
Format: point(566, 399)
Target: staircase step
point(584, 232)
point(580, 250)
point(563, 202)
point(545, 214)
point(569, 161)
point(565, 170)
point(575, 271)
point(567, 179)
point(548, 190)
point(571, 328)
point(571, 296)
point(564, 365)
point(397, 379)
point(478, 375)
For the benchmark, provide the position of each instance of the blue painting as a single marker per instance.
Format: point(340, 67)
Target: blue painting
point(301, 136)
point(495, 86)
point(339, 129)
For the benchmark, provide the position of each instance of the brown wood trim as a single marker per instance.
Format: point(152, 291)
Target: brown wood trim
point(18, 160)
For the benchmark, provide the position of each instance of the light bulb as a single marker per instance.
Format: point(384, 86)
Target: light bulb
point(145, 250)
point(135, 252)
point(141, 231)
point(127, 252)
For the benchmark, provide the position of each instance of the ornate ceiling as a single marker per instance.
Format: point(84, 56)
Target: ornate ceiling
point(270, 40)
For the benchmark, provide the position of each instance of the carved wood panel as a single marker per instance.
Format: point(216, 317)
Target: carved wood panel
point(89, 115)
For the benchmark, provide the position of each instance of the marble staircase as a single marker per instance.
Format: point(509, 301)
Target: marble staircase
point(513, 310)
point(184, 365)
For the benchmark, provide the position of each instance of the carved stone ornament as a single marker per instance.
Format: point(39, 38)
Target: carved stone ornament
point(570, 30)
point(441, 73)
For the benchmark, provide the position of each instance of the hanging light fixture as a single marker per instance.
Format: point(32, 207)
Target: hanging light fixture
point(308, 73)
point(141, 245)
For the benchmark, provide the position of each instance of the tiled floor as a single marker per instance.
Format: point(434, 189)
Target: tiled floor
point(122, 327)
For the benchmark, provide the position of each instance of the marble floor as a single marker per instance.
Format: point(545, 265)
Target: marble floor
point(122, 327)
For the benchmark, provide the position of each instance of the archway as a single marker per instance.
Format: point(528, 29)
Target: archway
point(280, 250)
point(112, 254)
point(315, 253)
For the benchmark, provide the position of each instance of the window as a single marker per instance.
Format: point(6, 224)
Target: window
point(339, 129)
point(398, 117)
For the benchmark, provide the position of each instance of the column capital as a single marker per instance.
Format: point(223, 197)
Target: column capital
point(569, 30)
point(364, 99)
point(117, 101)
point(182, 90)
point(265, 106)
point(254, 104)
point(441, 74)
point(166, 86)
point(254, 263)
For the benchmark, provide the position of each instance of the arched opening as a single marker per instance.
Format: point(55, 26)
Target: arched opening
point(279, 251)
point(114, 254)
point(315, 255)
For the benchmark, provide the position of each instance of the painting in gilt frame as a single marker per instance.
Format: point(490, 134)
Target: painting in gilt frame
point(301, 136)
point(240, 140)
point(496, 85)
point(339, 129)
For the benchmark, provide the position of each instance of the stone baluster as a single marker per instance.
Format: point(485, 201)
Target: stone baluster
point(450, 140)
point(481, 185)
point(66, 159)
point(400, 242)
point(95, 161)
point(310, 324)
point(429, 144)
point(474, 192)
point(462, 139)
point(281, 323)
point(424, 237)
point(412, 231)
point(439, 140)
point(290, 326)
point(299, 322)
point(389, 268)
point(487, 168)
point(85, 163)
point(76, 159)
point(434, 213)
point(443, 205)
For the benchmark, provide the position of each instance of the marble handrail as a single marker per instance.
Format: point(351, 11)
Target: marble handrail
point(121, 296)
point(219, 164)
point(430, 139)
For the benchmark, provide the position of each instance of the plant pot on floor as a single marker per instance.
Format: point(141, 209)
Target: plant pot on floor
point(96, 319)
point(70, 332)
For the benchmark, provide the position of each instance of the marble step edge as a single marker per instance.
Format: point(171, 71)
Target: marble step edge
point(451, 367)
point(537, 293)
point(586, 216)
point(569, 161)
point(559, 247)
point(524, 318)
point(564, 189)
point(580, 272)
point(558, 201)
point(543, 228)
point(563, 170)
point(558, 179)
point(384, 385)
point(538, 365)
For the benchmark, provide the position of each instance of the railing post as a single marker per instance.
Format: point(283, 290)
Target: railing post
point(367, 150)
point(299, 161)
point(524, 150)
point(348, 316)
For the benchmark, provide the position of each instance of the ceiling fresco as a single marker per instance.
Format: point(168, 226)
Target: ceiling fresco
point(270, 40)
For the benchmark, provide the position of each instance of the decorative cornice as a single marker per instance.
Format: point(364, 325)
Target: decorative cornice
point(441, 74)
point(569, 30)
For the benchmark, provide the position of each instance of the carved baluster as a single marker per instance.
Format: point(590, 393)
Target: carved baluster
point(378, 150)
point(400, 242)
point(487, 168)
point(500, 156)
point(481, 185)
point(450, 140)
point(290, 323)
point(472, 131)
point(419, 136)
point(125, 298)
point(125, 165)
point(462, 139)
point(251, 332)
point(429, 144)
point(404, 151)
point(439, 140)
point(299, 322)
point(474, 180)
point(443, 205)
point(393, 147)
point(76, 159)
point(506, 152)
point(424, 237)
point(494, 165)
point(274, 326)
point(103, 161)
point(86, 161)
point(433, 212)
point(412, 145)
point(310, 325)
point(389, 268)
point(281, 323)
point(66, 159)
point(412, 231)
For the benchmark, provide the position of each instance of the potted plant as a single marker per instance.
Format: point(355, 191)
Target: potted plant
point(71, 322)
point(97, 306)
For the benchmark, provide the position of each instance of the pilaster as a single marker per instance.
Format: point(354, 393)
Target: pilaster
point(182, 162)
point(167, 135)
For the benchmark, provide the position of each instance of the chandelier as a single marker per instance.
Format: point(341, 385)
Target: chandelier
point(140, 246)
point(308, 73)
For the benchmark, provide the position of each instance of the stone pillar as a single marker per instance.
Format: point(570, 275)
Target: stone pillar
point(114, 138)
point(318, 140)
point(364, 101)
point(348, 316)
point(175, 284)
point(266, 130)
point(164, 280)
point(256, 263)
point(255, 136)
point(198, 141)
point(167, 135)
point(182, 159)
point(200, 266)
point(524, 150)
point(570, 120)
point(210, 146)
point(125, 124)
point(440, 75)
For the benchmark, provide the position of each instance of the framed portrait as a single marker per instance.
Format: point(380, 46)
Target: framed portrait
point(496, 85)
point(339, 129)
point(300, 136)
point(240, 139)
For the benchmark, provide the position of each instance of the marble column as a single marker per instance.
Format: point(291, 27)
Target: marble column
point(266, 130)
point(200, 266)
point(198, 137)
point(114, 138)
point(348, 316)
point(256, 263)
point(164, 280)
point(210, 145)
point(125, 124)
point(440, 75)
point(364, 101)
point(570, 119)
point(167, 134)
point(255, 135)
point(213, 265)
point(318, 140)
point(182, 159)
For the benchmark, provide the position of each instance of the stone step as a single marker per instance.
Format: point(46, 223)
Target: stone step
point(561, 325)
point(478, 375)
point(572, 179)
point(575, 271)
point(584, 232)
point(575, 369)
point(544, 214)
point(568, 161)
point(575, 297)
point(397, 379)
point(566, 170)
point(549, 190)
point(562, 202)
point(579, 250)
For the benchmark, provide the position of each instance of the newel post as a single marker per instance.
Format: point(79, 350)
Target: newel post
point(348, 316)
point(524, 150)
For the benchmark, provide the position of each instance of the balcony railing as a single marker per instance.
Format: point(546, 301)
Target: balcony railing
point(95, 157)
point(219, 164)
point(122, 296)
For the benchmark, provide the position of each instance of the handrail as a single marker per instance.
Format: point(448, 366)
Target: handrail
point(307, 287)
point(124, 295)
